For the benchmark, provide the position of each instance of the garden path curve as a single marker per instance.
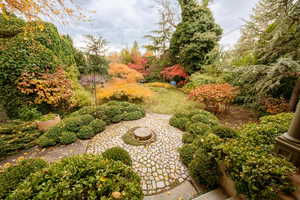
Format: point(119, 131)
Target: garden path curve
point(158, 163)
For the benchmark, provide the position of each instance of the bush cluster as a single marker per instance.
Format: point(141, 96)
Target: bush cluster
point(198, 79)
point(11, 177)
point(118, 154)
point(80, 177)
point(247, 155)
point(197, 122)
point(16, 136)
point(88, 121)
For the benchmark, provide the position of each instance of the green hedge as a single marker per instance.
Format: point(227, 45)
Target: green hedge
point(88, 121)
point(196, 122)
point(11, 177)
point(247, 155)
point(81, 177)
point(118, 154)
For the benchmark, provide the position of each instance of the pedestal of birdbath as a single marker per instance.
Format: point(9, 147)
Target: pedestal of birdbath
point(143, 134)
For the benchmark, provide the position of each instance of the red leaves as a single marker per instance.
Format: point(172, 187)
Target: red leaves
point(215, 96)
point(140, 68)
point(170, 73)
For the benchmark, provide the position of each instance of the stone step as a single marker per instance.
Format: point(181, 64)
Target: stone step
point(217, 194)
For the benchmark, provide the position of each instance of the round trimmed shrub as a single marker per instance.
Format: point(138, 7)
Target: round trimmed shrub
point(74, 124)
point(198, 128)
point(204, 169)
point(133, 115)
point(179, 123)
point(54, 133)
point(188, 138)
point(225, 132)
point(67, 137)
point(86, 132)
point(13, 176)
point(45, 141)
point(118, 154)
point(204, 118)
point(81, 177)
point(98, 125)
point(187, 153)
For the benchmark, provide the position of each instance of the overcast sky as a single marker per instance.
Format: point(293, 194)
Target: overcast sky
point(121, 22)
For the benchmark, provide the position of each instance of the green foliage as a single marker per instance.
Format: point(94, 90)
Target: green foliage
point(45, 141)
point(187, 153)
point(34, 50)
point(198, 128)
point(113, 112)
point(86, 132)
point(224, 132)
point(98, 125)
point(188, 138)
point(28, 114)
point(195, 122)
point(118, 154)
point(195, 37)
point(73, 124)
point(67, 137)
point(197, 79)
point(91, 175)
point(16, 136)
point(13, 176)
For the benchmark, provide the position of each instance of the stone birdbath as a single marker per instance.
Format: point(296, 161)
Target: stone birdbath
point(143, 134)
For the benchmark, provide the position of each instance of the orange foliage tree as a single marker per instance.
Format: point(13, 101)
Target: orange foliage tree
point(274, 105)
point(123, 85)
point(216, 97)
point(53, 89)
point(33, 9)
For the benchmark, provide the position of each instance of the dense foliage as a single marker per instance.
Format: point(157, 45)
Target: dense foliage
point(175, 73)
point(118, 154)
point(91, 175)
point(247, 157)
point(216, 97)
point(40, 51)
point(196, 37)
point(88, 121)
point(12, 176)
point(16, 136)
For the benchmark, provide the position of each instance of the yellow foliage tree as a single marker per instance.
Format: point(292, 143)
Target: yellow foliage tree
point(123, 85)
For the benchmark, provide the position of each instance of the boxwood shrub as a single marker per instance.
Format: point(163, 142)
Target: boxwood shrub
point(248, 158)
point(81, 177)
point(86, 132)
point(118, 154)
point(67, 137)
point(98, 125)
point(194, 120)
point(11, 177)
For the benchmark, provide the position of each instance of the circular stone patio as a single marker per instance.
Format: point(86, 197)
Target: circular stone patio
point(158, 163)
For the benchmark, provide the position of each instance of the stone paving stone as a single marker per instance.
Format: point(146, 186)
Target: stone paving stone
point(158, 164)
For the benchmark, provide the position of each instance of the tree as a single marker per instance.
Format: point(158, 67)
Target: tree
point(195, 37)
point(34, 9)
point(160, 38)
point(96, 48)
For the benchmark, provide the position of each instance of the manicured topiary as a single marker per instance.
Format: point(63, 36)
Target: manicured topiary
point(133, 115)
point(204, 169)
point(81, 177)
point(67, 137)
point(73, 124)
point(55, 132)
point(98, 125)
point(188, 138)
point(86, 132)
point(11, 177)
point(224, 132)
point(187, 153)
point(45, 141)
point(198, 128)
point(179, 123)
point(118, 154)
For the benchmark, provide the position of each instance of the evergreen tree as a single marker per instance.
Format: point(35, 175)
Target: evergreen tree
point(196, 37)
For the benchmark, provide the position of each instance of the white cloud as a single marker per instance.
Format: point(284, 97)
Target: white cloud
point(123, 21)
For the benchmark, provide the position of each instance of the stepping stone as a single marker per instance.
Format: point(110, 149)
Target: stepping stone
point(143, 133)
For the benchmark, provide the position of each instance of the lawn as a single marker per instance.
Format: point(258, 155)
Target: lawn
point(169, 101)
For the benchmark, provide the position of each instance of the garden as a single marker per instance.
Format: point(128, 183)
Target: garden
point(174, 119)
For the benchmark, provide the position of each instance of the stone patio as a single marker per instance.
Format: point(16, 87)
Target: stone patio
point(158, 163)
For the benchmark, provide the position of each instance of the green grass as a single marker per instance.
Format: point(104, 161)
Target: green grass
point(169, 101)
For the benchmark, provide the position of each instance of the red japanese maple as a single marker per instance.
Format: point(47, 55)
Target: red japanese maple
point(176, 71)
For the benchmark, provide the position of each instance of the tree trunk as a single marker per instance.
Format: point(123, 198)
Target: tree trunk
point(294, 97)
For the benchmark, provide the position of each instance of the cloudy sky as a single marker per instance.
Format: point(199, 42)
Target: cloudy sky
point(121, 22)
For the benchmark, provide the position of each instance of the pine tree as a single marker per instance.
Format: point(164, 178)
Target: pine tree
point(196, 37)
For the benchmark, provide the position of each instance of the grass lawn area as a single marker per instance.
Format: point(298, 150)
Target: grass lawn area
point(169, 101)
